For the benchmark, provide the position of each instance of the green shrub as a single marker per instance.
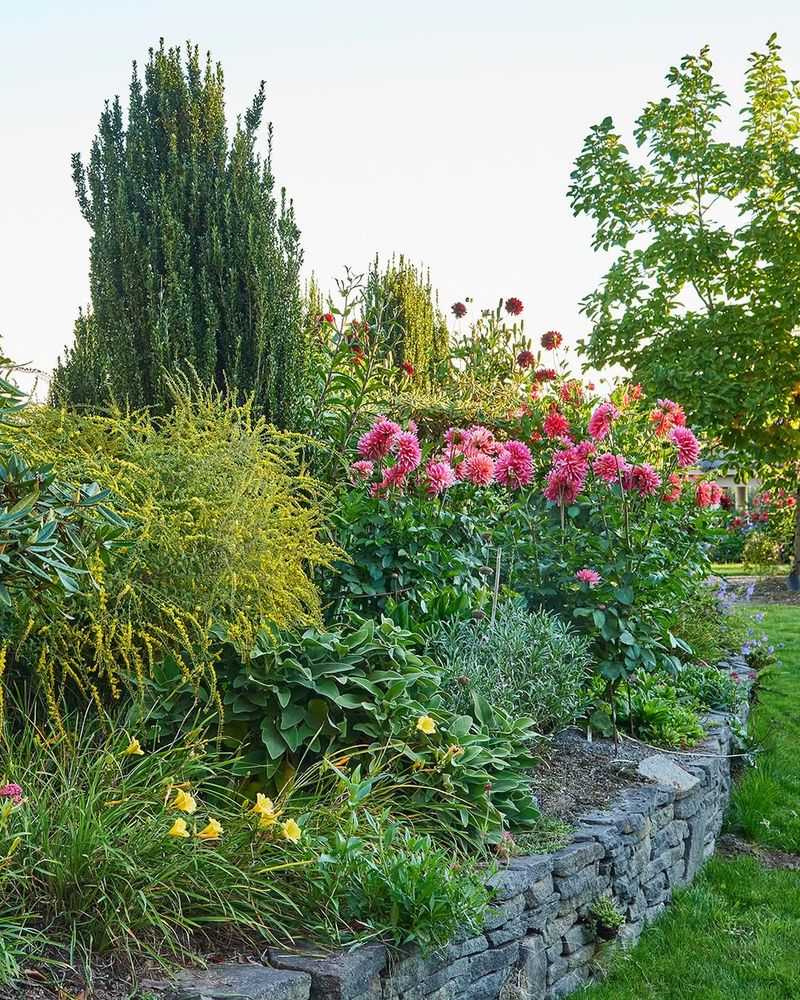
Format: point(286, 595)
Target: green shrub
point(528, 663)
point(406, 553)
point(761, 553)
point(223, 530)
point(400, 881)
point(194, 255)
point(708, 687)
point(311, 693)
point(708, 632)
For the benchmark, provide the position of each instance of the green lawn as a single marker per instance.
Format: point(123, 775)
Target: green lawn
point(736, 931)
point(739, 569)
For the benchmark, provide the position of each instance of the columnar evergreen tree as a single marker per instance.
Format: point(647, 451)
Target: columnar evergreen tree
point(194, 257)
point(702, 298)
point(413, 330)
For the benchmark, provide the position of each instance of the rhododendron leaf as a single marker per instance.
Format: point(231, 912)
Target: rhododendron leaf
point(599, 618)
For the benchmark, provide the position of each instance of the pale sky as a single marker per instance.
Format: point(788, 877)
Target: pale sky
point(444, 130)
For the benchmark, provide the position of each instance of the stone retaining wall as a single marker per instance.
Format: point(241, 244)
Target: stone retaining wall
point(537, 942)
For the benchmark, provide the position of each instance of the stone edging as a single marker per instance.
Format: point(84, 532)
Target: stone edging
point(536, 942)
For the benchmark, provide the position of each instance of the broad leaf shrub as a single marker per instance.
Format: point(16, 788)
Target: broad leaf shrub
point(298, 698)
point(223, 530)
point(527, 663)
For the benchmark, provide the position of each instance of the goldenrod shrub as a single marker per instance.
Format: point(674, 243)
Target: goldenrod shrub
point(225, 530)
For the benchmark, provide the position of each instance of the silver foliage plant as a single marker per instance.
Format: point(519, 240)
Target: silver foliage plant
point(529, 663)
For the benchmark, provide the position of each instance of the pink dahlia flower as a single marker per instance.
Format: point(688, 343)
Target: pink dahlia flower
point(667, 415)
point(708, 494)
point(478, 469)
point(571, 392)
point(687, 444)
point(375, 444)
point(479, 439)
point(588, 576)
point(610, 467)
point(514, 465)
point(644, 479)
point(556, 424)
point(440, 476)
point(405, 446)
point(394, 478)
point(601, 420)
point(362, 470)
point(561, 487)
point(674, 489)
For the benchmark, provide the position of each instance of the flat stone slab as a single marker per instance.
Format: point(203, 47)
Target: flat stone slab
point(665, 771)
point(239, 982)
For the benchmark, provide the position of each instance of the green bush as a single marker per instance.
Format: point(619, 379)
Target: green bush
point(708, 687)
point(528, 663)
point(708, 632)
point(223, 531)
point(406, 553)
point(308, 694)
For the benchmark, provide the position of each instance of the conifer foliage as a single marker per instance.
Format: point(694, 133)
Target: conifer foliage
point(194, 256)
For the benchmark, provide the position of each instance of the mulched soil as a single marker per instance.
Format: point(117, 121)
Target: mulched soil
point(731, 846)
point(577, 776)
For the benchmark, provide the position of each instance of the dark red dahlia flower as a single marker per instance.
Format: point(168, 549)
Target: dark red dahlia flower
point(514, 306)
point(458, 309)
point(525, 359)
point(551, 340)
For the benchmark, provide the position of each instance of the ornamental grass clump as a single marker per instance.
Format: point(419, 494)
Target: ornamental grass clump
point(223, 529)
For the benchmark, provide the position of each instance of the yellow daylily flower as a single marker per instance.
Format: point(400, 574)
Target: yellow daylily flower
point(212, 831)
point(184, 802)
point(265, 809)
point(178, 829)
point(134, 749)
point(291, 831)
point(425, 724)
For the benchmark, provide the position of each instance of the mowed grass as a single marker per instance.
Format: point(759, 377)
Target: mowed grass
point(739, 569)
point(765, 806)
point(736, 931)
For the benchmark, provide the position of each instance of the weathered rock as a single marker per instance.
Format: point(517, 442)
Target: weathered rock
point(239, 982)
point(665, 771)
point(337, 975)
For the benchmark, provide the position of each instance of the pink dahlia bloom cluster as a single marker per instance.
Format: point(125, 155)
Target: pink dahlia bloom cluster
point(667, 415)
point(11, 791)
point(687, 445)
point(642, 479)
point(567, 477)
point(556, 424)
point(514, 465)
point(588, 576)
point(386, 439)
point(601, 420)
point(610, 468)
point(708, 494)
